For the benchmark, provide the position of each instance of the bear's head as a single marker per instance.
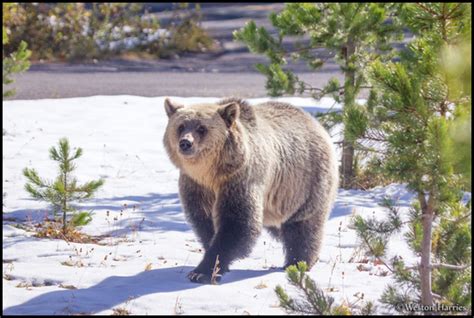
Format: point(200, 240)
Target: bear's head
point(203, 135)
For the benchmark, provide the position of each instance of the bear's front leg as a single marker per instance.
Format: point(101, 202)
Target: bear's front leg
point(238, 216)
point(197, 203)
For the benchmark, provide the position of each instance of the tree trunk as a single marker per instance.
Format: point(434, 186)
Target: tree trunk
point(347, 160)
point(347, 164)
point(64, 222)
point(64, 203)
point(425, 264)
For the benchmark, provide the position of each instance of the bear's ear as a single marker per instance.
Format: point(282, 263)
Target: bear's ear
point(171, 107)
point(229, 112)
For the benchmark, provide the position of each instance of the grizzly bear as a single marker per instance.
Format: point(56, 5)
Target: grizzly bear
point(244, 168)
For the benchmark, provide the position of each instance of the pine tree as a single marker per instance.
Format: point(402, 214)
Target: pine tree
point(418, 108)
point(14, 62)
point(356, 33)
point(61, 192)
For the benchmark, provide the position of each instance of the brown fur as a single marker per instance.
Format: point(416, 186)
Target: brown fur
point(270, 165)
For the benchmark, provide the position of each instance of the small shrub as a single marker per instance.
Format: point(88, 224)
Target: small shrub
point(187, 34)
point(80, 31)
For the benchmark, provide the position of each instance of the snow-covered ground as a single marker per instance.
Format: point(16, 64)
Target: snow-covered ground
point(149, 247)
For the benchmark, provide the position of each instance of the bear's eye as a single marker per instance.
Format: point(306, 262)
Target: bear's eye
point(201, 130)
point(180, 128)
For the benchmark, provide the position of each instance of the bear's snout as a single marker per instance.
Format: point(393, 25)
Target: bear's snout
point(185, 145)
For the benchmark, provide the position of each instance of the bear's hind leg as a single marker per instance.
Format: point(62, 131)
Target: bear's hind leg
point(274, 232)
point(302, 241)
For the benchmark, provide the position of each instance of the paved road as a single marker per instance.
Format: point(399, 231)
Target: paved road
point(34, 85)
point(230, 71)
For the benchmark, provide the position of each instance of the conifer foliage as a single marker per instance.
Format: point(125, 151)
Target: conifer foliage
point(313, 300)
point(65, 189)
point(417, 108)
point(355, 33)
point(15, 62)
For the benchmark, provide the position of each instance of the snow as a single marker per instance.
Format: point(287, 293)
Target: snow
point(131, 42)
point(149, 248)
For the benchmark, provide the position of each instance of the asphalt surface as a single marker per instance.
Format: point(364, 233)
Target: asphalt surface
point(229, 71)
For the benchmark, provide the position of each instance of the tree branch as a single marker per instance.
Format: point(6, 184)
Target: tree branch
point(436, 296)
point(427, 9)
point(449, 266)
point(373, 253)
point(450, 14)
point(442, 265)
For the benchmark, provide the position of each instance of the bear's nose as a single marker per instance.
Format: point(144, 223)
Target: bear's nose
point(185, 144)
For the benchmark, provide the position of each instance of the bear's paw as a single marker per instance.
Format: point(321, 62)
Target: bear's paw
point(202, 278)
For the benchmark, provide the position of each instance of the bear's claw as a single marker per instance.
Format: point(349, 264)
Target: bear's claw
point(202, 278)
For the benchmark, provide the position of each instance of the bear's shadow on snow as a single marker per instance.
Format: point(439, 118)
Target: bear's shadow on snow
point(116, 290)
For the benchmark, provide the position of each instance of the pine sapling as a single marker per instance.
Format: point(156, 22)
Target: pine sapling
point(375, 233)
point(64, 190)
point(313, 300)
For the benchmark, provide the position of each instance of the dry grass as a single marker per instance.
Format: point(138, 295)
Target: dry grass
point(71, 263)
point(215, 277)
point(53, 229)
point(261, 285)
point(120, 312)
point(67, 286)
point(178, 308)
